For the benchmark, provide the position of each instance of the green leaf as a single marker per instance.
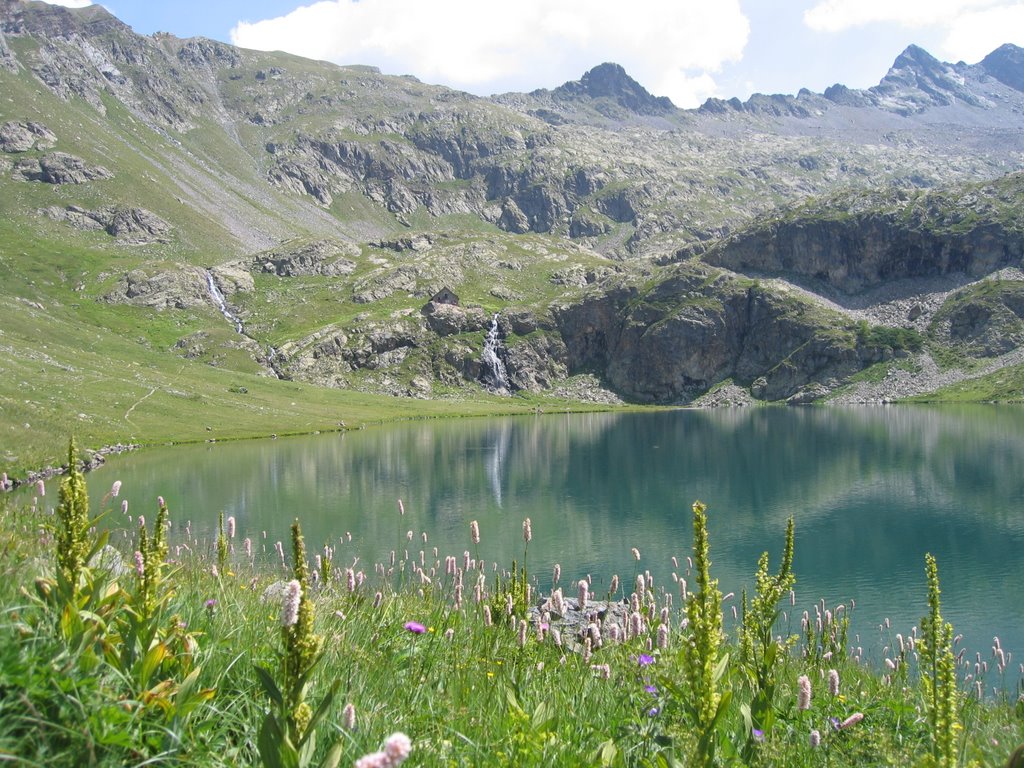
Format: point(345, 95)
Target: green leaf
point(276, 749)
point(320, 712)
point(151, 662)
point(333, 758)
point(267, 680)
point(607, 752)
point(720, 668)
point(307, 747)
point(542, 716)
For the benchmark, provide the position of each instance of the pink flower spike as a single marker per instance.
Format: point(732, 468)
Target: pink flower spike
point(115, 488)
point(803, 698)
point(397, 747)
point(853, 719)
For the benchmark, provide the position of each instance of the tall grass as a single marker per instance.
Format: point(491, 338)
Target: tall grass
point(188, 664)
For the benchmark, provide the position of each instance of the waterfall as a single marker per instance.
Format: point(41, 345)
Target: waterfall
point(221, 302)
point(495, 376)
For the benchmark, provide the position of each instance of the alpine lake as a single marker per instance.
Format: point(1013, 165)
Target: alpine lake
point(871, 489)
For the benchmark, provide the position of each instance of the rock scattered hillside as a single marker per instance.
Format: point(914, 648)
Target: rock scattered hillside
point(309, 216)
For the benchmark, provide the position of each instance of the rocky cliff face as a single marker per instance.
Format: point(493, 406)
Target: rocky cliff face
point(854, 243)
point(700, 327)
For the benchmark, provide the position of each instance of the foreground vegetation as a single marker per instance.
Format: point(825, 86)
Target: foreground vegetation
point(158, 652)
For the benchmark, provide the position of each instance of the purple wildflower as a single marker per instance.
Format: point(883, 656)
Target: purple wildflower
point(644, 660)
point(415, 627)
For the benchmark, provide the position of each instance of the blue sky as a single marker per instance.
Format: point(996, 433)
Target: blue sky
point(685, 49)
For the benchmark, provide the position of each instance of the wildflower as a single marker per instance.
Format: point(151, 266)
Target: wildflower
point(584, 593)
point(556, 574)
point(348, 717)
point(653, 712)
point(115, 488)
point(603, 670)
point(248, 547)
point(449, 634)
point(401, 508)
point(142, 521)
point(651, 688)
point(487, 616)
point(644, 660)
point(815, 739)
point(415, 627)
point(614, 586)
point(803, 698)
point(663, 636)
point(527, 530)
point(40, 488)
point(124, 506)
point(522, 633)
point(160, 501)
point(397, 747)
point(474, 533)
point(833, 682)
point(378, 599)
point(636, 553)
point(636, 624)
point(140, 565)
point(211, 606)
point(290, 604)
point(757, 734)
point(231, 527)
point(853, 719)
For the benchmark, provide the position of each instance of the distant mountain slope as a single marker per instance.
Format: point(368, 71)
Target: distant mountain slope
point(288, 219)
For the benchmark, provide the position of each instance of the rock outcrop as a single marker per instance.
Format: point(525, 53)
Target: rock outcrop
point(322, 257)
point(128, 225)
point(182, 287)
point(17, 136)
point(58, 168)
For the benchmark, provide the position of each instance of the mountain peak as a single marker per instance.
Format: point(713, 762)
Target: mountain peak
point(610, 81)
point(1006, 64)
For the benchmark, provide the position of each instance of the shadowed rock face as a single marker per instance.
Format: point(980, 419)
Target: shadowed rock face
point(1006, 64)
point(899, 239)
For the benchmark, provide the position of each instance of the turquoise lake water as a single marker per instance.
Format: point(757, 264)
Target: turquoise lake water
point(872, 490)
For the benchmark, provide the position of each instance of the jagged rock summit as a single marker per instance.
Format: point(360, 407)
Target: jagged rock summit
point(611, 82)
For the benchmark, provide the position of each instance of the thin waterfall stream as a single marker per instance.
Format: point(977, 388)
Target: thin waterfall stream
point(221, 302)
point(495, 376)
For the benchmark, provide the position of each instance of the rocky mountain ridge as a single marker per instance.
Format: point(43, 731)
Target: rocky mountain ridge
point(662, 253)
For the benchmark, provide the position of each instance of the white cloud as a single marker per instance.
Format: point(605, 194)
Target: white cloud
point(977, 34)
point(672, 47)
point(970, 28)
point(838, 15)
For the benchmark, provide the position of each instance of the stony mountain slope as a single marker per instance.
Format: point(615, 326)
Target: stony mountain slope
point(268, 214)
